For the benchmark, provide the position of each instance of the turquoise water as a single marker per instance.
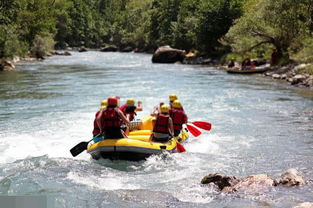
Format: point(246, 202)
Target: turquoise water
point(46, 108)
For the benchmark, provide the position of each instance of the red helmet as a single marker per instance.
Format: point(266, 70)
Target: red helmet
point(112, 101)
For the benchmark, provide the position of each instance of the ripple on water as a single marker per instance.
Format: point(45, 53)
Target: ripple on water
point(46, 108)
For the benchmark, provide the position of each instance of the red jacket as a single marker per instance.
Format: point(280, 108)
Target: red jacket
point(161, 124)
point(179, 118)
point(110, 118)
point(130, 110)
point(96, 129)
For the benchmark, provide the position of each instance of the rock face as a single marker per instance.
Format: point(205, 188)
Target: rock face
point(166, 54)
point(253, 183)
point(6, 65)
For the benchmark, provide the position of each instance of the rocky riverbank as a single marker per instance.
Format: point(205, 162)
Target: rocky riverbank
point(9, 64)
point(292, 74)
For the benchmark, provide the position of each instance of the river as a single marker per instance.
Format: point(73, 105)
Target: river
point(258, 126)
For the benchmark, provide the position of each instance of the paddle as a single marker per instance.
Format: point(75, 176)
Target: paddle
point(79, 148)
point(193, 130)
point(203, 125)
point(179, 147)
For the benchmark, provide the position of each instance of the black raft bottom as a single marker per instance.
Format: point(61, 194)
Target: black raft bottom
point(131, 156)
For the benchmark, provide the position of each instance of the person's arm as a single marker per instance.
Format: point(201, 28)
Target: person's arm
point(139, 106)
point(122, 116)
point(170, 127)
point(155, 111)
point(99, 120)
point(153, 123)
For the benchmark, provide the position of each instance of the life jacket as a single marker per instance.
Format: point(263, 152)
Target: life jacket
point(179, 118)
point(110, 118)
point(161, 124)
point(129, 110)
point(96, 129)
point(123, 108)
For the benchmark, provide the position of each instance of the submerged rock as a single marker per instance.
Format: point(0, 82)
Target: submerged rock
point(292, 178)
point(253, 183)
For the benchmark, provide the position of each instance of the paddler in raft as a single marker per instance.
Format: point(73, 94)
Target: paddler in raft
point(110, 120)
point(156, 110)
point(129, 108)
point(162, 126)
point(178, 116)
point(96, 129)
point(172, 98)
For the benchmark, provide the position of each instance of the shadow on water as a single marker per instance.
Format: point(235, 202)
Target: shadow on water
point(120, 165)
point(133, 166)
point(303, 92)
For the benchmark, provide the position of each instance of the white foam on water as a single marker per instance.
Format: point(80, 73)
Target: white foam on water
point(103, 182)
point(203, 144)
point(64, 134)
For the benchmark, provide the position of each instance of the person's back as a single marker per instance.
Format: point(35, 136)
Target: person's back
point(178, 116)
point(110, 120)
point(163, 126)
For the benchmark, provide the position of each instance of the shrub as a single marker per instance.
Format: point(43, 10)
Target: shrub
point(42, 44)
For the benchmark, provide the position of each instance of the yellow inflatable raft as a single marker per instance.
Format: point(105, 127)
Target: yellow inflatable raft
point(137, 146)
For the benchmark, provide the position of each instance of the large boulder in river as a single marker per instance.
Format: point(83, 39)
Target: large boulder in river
point(82, 49)
point(253, 183)
point(6, 65)
point(166, 54)
point(110, 48)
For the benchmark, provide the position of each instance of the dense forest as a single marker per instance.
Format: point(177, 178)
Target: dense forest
point(216, 28)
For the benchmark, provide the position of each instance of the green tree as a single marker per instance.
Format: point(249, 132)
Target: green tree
point(215, 17)
point(185, 27)
point(163, 15)
point(277, 23)
point(34, 18)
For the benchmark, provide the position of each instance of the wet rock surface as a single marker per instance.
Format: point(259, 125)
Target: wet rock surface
point(290, 74)
point(304, 205)
point(253, 183)
point(166, 54)
point(6, 65)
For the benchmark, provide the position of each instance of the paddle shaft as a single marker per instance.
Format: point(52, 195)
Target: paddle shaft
point(79, 148)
